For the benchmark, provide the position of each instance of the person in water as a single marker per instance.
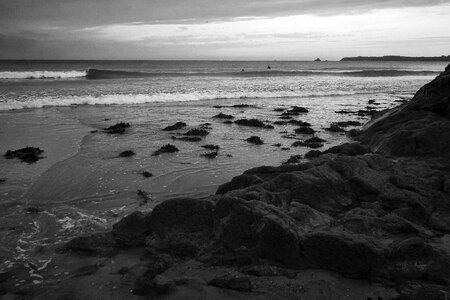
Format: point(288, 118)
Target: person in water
point(268, 67)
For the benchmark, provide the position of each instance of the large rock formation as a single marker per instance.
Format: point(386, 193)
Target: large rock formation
point(420, 127)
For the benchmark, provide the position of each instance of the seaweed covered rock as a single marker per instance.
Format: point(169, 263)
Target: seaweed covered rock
point(255, 140)
point(118, 128)
point(27, 154)
point(166, 149)
point(250, 122)
point(197, 132)
point(176, 126)
point(223, 116)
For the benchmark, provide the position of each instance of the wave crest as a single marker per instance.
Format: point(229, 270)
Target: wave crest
point(133, 99)
point(41, 74)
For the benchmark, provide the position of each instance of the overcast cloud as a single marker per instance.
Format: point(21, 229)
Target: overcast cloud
point(217, 29)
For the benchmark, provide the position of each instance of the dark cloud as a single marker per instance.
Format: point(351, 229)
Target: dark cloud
point(76, 13)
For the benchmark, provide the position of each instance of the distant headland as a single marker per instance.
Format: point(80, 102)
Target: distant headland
point(397, 58)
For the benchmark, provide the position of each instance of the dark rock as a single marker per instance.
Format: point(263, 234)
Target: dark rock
point(145, 197)
point(33, 209)
point(304, 130)
point(366, 112)
point(176, 126)
point(206, 126)
point(278, 109)
point(308, 218)
point(277, 145)
point(197, 132)
point(293, 159)
point(348, 254)
point(223, 116)
point(188, 138)
point(299, 109)
point(255, 140)
point(299, 123)
point(335, 128)
point(147, 284)
point(238, 182)
point(131, 230)
point(280, 122)
point(258, 227)
point(99, 243)
point(348, 123)
point(210, 155)
point(2, 180)
point(166, 149)
point(313, 142)
point(242, 105)
point(313, 154)
point(343, 111)
point(211, 147)
point(118, 128)
point(238, 283)
point(126, 153)
point(181, 216)
point(93, 131)
point(228, 122)
point(250, 122)
point(354, 133)
point(147, 174)
point(350, 149)
point(27, 154)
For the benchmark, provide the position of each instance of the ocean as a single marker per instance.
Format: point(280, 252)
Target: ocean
point(32, 84)
point(82, 185)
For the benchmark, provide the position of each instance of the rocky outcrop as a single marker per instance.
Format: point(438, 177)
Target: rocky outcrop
point(420, 127)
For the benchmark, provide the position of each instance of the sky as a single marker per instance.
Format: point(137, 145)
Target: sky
point(222, 29)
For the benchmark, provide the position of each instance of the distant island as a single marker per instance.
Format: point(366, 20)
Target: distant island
point(397, 58)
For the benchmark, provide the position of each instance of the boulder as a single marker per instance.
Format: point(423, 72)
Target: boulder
point(176, 126)
point(354, 255)
point(181, 216)
point(131, 230)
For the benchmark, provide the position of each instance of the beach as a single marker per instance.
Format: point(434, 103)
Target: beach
point(83, 184)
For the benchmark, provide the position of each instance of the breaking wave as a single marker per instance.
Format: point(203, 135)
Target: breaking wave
point(41, 74)
point(130, 99)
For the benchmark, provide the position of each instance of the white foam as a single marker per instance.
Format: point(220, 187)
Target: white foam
point(130, 99)
point(41, 74)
